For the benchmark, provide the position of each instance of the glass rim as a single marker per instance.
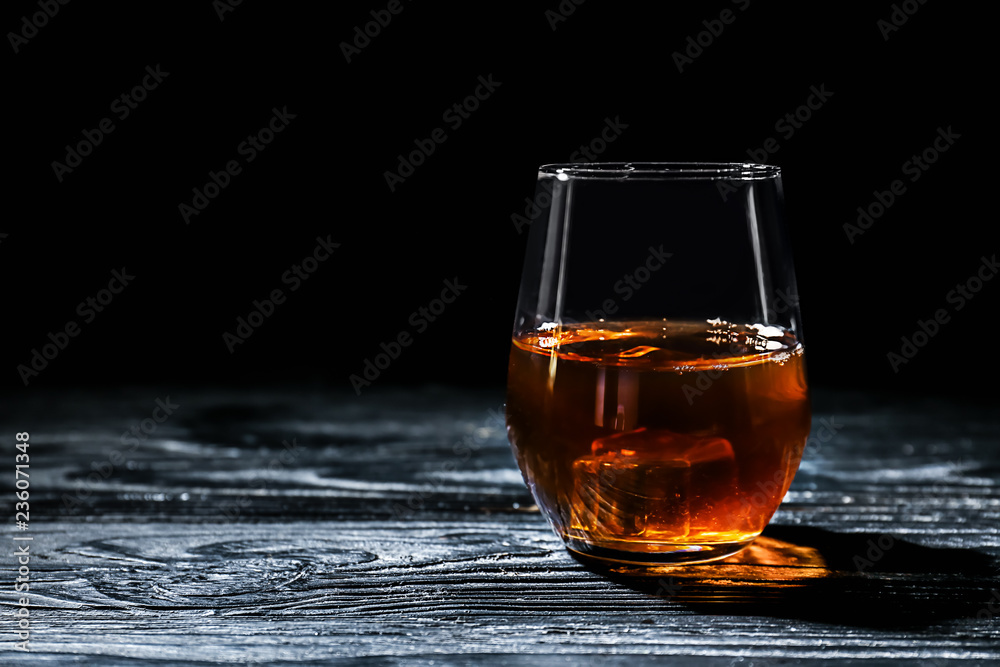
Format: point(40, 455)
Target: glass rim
point(665, 171)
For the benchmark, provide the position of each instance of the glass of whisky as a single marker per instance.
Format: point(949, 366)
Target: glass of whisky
point(657, 402)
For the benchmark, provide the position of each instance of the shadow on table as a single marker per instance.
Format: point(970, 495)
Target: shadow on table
point(867, 580)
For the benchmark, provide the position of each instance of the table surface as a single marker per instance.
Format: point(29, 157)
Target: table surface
point(298, 527)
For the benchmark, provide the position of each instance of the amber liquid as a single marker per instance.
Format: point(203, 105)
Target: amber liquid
point(658, 441)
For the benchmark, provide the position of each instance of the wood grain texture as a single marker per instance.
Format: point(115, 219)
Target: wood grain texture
point(395, 528)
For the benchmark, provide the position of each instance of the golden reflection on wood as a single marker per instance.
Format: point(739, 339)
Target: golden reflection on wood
point(765, 562)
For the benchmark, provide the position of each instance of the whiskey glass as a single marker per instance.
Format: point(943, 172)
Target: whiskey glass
point(657, 402)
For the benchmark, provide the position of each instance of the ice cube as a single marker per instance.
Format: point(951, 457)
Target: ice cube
point(655, 483)
point(618, 497)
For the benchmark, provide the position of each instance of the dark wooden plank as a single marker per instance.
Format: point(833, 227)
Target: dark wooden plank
point(379, 538)
point(463, 588)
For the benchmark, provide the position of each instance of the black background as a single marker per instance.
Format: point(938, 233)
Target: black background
point(324, 175)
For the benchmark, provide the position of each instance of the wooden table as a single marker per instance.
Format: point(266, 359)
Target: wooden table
point(394, 527)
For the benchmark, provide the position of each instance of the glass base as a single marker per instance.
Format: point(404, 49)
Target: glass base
point(665, 554)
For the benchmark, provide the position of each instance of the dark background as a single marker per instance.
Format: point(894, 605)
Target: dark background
point(323, 175)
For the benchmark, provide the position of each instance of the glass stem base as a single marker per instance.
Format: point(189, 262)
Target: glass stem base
point(664, 554)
